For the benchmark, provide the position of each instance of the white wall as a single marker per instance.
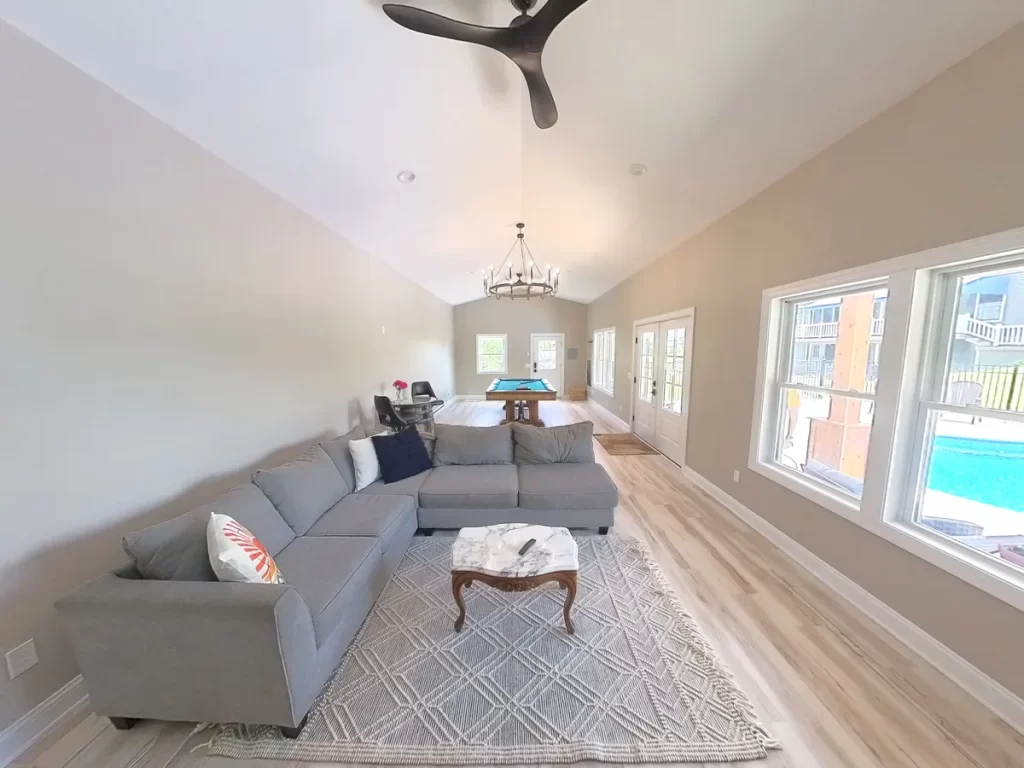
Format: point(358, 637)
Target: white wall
point(166, 326)
point(518, 319)
point(942, 166)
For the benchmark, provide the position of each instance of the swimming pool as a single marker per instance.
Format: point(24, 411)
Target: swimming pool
point(988, 471)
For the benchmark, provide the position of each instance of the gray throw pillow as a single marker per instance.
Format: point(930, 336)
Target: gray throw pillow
point(472, 445)
point(337, 449)
point(174, 550)
point(571, 444)
point(304, 488)
point(247, 504)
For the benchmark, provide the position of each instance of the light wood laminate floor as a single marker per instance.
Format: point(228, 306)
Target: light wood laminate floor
point(836, 689)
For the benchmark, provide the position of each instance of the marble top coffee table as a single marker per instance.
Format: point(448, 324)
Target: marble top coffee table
point(491, 555)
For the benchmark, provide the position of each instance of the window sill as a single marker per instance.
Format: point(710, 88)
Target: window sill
point(492, 373)
point(987, 573)
point(603, 391)
point(1001, 581)
point(845, 506)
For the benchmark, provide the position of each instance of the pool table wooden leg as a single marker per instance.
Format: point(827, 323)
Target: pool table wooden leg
point(510, 411)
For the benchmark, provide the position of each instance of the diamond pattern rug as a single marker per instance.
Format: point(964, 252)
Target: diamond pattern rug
point(637, 682)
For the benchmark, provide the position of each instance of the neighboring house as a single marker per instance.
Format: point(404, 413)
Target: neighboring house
point(990, 324)
point(817, 333)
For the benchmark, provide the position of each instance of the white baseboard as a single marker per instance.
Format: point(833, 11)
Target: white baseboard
point(606, 414)
point(996, 697)
point(59, 708)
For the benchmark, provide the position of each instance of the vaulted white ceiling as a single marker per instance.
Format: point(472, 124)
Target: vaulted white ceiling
point(325, 101)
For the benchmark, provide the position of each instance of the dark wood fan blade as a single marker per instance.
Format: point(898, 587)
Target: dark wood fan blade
point(545, 113)
point(540, 27)
point(419, 20)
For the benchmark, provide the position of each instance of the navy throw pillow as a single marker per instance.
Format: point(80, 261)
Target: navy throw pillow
point(401, 455)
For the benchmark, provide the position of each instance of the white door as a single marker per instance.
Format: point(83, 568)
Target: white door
point(673, 391)
point(644, 409)
point(547, 357)
point(661, 409)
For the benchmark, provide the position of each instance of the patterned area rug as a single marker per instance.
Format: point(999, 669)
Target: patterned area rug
point(618, 444)
point(637, 682)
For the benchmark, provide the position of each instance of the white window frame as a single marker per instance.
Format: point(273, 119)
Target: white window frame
point(504, 350)
point(784, 309)
point(905, 368)
point(603, 362)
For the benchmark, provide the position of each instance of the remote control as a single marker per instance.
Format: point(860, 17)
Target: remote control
point(527, 545)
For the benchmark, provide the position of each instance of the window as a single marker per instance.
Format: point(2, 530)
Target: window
point(604, 360)
point(491, 353)
point(906, 414)
point(646, 377)
point(967, 473)
point(672, 389)
point(825, 399)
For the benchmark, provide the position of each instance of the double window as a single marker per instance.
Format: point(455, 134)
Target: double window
point(894, 395)
point(603, 374)
point(491, 353)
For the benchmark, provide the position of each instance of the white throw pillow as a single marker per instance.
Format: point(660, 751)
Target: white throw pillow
point(236, 555)
point(364, 459)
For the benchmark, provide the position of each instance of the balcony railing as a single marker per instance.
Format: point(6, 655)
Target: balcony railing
point(995, 334)
point(877, 326)
point(817, 330)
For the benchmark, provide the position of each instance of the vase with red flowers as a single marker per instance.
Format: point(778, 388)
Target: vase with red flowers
point(400, 387)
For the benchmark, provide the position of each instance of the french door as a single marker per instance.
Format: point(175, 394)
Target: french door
point(547, 357)
point(662, 390)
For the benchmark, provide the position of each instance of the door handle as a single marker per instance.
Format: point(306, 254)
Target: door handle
point(535, 367)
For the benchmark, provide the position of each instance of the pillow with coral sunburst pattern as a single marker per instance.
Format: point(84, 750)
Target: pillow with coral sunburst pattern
point(236, 555)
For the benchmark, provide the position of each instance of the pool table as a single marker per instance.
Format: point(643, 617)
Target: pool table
point(521, 397)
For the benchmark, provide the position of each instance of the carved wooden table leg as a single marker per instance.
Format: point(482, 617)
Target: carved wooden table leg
point(458, 581)
point(565, 579)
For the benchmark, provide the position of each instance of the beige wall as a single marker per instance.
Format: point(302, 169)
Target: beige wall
point(944, 165)
point(167, 326)
point(518, 319)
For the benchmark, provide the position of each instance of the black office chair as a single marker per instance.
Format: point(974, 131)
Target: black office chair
point(423, 388)
point(387, 414)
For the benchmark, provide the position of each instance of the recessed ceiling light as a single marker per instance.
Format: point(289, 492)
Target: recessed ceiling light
point(406, 177)
point(638, 169)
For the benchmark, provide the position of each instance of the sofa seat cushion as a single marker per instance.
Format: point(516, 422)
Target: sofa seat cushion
point(492, 486)
point(410, 486)
point(367, 515)
point(566, 486)
point(329, 572)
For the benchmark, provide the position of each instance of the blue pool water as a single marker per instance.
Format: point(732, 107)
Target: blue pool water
point(989, 471)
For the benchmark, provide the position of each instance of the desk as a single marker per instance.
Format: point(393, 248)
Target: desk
point(418, 410)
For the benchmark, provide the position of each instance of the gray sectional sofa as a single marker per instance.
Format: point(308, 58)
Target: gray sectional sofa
point(179, 645)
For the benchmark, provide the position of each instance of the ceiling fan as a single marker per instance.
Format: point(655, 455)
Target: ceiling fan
point(522, 41)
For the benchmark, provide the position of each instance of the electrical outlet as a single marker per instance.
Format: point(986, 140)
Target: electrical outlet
point(383, 330)
point(22, 658)
point(735, 475)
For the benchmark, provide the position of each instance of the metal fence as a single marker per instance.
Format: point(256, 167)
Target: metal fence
point(1001, 386)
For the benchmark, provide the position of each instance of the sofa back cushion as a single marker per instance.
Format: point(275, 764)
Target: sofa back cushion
point(570, 444)
point(337, 449)
point(402, 455)
point(249, 506)
point(174, 550)
point(472, 445)
point(304, 488)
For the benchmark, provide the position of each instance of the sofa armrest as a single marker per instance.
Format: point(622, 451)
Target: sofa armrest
point(193, 651)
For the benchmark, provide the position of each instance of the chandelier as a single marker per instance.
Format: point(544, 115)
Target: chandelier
point(530, 280)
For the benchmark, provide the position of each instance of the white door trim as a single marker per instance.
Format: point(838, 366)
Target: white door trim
point(562, 393)
point(677, 314)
